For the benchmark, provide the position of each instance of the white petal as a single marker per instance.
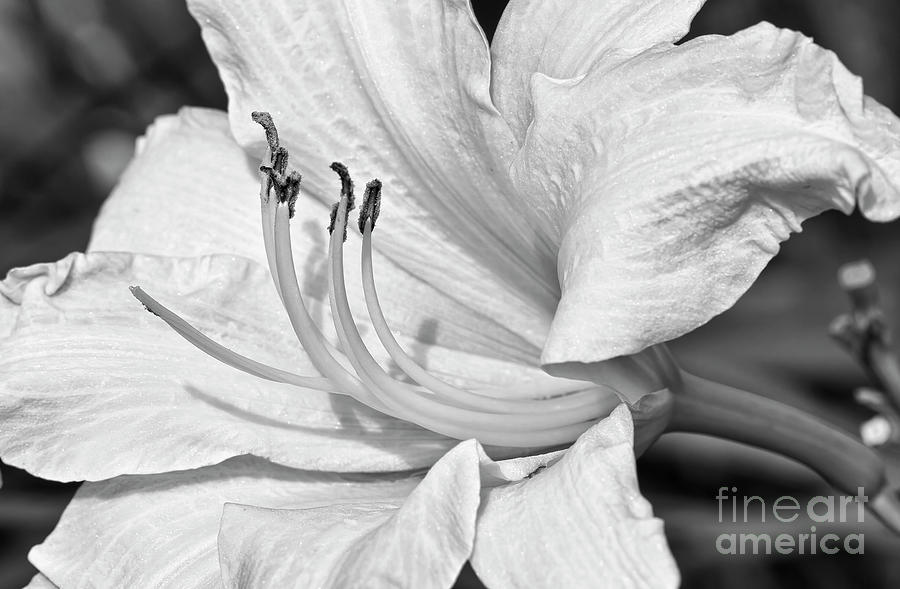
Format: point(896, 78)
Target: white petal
point(160, 530)
point(398, 91)
point(39, 581)
point(564, 38)
point(420, 542)
point(192, 191)
point(91, 386)
point(580, 522)
point(680, 171)
point(189, 191)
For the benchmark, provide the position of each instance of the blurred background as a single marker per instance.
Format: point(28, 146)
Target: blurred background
point(81, 79)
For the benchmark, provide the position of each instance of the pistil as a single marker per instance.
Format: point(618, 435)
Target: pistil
point(223, 354)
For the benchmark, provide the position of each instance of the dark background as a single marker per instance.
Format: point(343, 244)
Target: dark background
point(81, 79)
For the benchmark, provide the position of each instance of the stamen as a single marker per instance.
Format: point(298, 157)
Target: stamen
point(267, 214)
point(275, 215)
point(307, 332)
point(346, 184)
point(371, 206)
point(280, 160)
point(269, 162)
point(346, 195)
point(600, 400)
point(522, 430)
point(223, 354)
point(530, 422)
point(274, 163)
point(264, 119)
point(333, 219)
point(287, 190)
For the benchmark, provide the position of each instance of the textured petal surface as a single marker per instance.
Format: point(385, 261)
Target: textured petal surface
point(159, 531)
point(579, 522)
point(193, 191)
point(189, 191)
point(420, 542)
point(564, 38)
point(398, 91)
point(677, 174)
point(91, 386)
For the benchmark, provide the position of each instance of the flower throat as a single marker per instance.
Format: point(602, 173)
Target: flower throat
point(545, 414)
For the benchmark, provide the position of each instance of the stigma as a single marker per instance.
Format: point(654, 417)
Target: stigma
point(531, 415)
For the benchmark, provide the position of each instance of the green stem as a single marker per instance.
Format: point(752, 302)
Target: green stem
point(715, 409)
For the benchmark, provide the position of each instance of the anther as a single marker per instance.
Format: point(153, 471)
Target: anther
point(287, 188)
point(277, 163)
point(346, 197)
point(289, 191)
point(371, 205)
point(280, 160)
point(278, 156)
point(346, 184)
point(264, 119)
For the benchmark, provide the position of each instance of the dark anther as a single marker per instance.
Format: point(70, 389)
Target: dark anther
point(280, 160)
point(371, 205)
point(287, 188)
point(346, 184)
point(346, 193)
point(265, 120)
point(289, 191)
point(278, 156)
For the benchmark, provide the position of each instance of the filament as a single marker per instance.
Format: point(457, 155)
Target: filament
point(569, 399)
point(307, 331)
point(428, 410)
point(528, 415)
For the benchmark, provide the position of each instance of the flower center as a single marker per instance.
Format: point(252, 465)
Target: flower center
point(539, 414)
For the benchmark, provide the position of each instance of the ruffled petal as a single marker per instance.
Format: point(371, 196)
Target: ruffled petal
point(398, 91)
point(425, 542)
point(579, 522)
point(678, 173)
point(160, 530)
point(420, 542)
point(564, 38)
point(192, 191)
point(91, 386)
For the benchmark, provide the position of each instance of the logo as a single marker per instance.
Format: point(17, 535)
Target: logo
point(745, 511)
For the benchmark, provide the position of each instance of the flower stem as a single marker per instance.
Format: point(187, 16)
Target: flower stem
point(723, 411)
point(865, 333)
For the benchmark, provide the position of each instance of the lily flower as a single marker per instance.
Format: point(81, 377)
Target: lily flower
point(556, 206)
